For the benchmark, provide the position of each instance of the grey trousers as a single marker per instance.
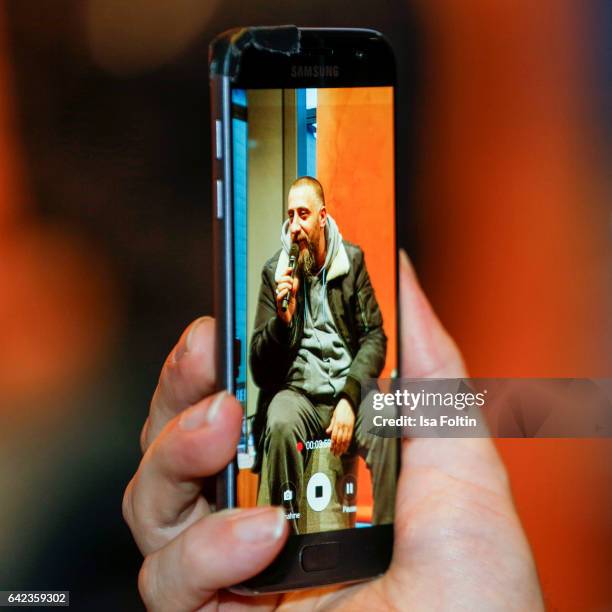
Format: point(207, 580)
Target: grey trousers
point(292, 420)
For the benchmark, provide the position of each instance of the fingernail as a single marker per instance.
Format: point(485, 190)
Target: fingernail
point(259, 524)
point(406, 264)
point(187, 344)
point(200, 414)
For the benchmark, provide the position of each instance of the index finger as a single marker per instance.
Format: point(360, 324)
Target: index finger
point(336, 437)
point(285, 278)
point(188, 375)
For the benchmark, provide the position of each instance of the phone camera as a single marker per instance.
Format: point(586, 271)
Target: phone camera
point(359, 54)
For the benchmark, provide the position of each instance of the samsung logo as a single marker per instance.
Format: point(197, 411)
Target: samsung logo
point(314, 72)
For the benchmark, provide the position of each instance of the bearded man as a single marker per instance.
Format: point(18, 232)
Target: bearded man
point(310, 358)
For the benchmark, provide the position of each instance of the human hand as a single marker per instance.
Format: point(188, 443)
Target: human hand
point(287, 284)
point(191, 433)
point(458, 541)
point(341, 427)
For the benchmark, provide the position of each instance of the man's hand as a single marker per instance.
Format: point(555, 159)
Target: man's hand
point(287, 284)
point(341, 427)
point(458, 542)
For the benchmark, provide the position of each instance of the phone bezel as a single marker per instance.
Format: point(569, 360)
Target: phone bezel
point(364, 59)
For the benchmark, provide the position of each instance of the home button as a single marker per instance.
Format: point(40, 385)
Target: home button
point(320, 556)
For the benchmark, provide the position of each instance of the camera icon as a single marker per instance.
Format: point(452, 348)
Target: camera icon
point(288, 495)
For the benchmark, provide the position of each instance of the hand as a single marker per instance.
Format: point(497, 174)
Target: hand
point(285, 285)
point(191, 433)
point(341, 427)
point(458, 541)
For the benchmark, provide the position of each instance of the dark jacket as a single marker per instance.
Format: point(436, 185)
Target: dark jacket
point(356, 315)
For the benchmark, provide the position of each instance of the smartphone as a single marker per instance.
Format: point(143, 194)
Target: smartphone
point(306, 286)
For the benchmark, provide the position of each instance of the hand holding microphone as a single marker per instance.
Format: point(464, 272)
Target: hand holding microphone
point(286, 288)
point(293, 257)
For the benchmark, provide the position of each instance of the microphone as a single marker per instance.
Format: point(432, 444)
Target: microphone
point(293, 257)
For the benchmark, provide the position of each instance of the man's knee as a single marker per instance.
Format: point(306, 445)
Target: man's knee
point(366, 429)
point(281, 428)
point(283, 420)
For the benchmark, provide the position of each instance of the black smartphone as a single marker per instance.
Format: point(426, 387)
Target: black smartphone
point(306, 289)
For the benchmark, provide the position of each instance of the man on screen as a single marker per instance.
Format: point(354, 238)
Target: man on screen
point(310, 358)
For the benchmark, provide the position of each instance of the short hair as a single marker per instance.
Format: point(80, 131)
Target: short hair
point(309, 181)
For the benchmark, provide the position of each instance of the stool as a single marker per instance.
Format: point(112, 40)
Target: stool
point(335, 468)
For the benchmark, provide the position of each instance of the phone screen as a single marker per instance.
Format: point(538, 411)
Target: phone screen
point(314, 168)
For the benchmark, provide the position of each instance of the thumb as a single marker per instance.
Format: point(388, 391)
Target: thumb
point(331, 425)
point(427, 349)
point(429, 352)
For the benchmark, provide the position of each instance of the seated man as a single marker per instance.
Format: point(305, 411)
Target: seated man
point(310, 358)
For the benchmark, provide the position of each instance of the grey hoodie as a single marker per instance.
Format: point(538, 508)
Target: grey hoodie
point(323, 360)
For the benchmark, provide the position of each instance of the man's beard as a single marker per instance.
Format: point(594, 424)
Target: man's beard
point(307, 262)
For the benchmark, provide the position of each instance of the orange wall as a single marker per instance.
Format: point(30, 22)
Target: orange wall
point(355, 167)
point(511, 186)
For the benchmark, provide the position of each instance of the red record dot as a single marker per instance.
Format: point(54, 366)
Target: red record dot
point(299, 446)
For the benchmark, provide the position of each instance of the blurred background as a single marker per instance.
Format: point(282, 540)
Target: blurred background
point(105, 248)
